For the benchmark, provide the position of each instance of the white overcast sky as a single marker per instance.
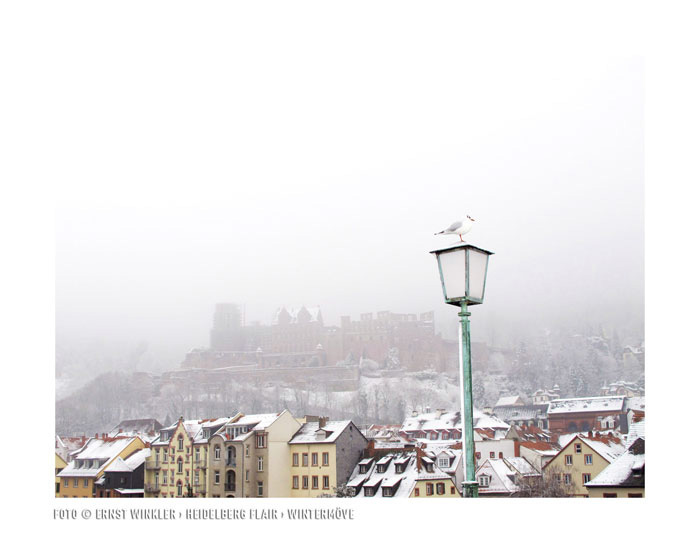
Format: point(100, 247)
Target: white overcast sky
point(306, 154)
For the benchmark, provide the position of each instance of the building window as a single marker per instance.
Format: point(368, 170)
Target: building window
point(217, 453)
point(260, 464)
point(179, 443)
point(326, 482)
point(314, 459)
point(305, 482)
point(196, 454)
point(416, 492)
point(568, 459)
point(247, 474)
point(324, 458)
point(304, 459)
point(577, 448)
point(85, 482)
point(295, 459)
point(452, 490)
point(443, 462)
point(260, 489)
point(586, 478)
point(75, 482)
point(387, 492)
point(484, 481)
point(440, 488)
point(588, 459)
point(500, 455)
point(478, 454)
point(610, 495)
point(179, 488)
point(492, 454)
point(247, 450)
point(428, 489)
point(295, 482)
point(314, 482)
point(261, 441)
point(567, 479)
point(179, 465)
point(631, 495)
point(217, 477)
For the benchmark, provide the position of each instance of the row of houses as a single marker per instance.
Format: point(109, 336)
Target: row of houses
point(278, 455)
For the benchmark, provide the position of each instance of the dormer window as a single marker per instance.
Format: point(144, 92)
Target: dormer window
point(443, 462)
point(484, 481)
point(363, 469)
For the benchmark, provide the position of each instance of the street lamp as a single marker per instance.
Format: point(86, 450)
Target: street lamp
point(463, 270)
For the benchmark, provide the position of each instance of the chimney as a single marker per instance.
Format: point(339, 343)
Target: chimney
point(120, 430)
point(97, 435)
point(590, 433)
point(419, 461)
point(414, 413)
point(322, 422)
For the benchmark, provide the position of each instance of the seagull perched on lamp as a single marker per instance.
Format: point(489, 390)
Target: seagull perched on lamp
point(459, 227)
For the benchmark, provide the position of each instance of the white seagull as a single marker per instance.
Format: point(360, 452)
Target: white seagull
point(459, 227)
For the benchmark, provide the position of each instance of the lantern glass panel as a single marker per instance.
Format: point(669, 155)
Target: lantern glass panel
point(453, 265)
point(477, 274)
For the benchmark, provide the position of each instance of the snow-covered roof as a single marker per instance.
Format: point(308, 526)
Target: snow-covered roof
point(135, 427)
point(502, 477)
point(507, 401)
point(310, 432)
point(402, 481)
point(95, 455)
point(626, 471)
point(586, 404)
point(437, 421)
point(521, 465)
point(608, 446)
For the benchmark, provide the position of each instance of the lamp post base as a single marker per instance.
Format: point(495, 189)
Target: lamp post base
point(470, 489)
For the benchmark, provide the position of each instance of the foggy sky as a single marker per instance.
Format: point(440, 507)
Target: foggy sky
point(291, 163)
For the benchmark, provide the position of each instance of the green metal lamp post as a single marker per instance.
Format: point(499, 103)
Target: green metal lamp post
point(463, 270)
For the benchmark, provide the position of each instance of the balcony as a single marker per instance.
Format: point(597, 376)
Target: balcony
point(200, 463)
point(231, 462)
point(152, 464)
point(152, 488)
point(230, 487)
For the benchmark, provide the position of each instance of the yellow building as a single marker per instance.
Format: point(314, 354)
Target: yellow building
point(179, 456)
point(582, 459)
point(60, 465)
point(88, 464)
point(624, 477)
point(323, 455)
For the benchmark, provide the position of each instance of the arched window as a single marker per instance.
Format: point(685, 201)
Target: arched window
point(217, 452)
point(230, 481)
point(179, 464)
point(231, 456)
